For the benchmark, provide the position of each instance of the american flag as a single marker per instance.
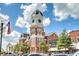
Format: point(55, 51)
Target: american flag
point(9, 30)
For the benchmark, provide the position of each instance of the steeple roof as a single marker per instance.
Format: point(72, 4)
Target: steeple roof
point(37, 12)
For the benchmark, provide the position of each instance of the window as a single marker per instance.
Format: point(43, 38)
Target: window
point(41, 13)
point(39, 20)
point(53, 43)
point(37, 11)
point(32, 21)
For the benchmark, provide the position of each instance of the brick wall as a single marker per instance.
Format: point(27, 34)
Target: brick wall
point(52, 36)
point(74, 35)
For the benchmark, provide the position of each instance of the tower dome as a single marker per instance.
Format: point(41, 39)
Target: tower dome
point(37, 18)
point(38, 12)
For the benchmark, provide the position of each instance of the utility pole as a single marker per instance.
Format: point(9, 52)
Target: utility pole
point(1, 36)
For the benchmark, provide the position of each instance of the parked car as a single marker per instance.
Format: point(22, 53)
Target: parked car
point(26, 54)
point(76, 53)
point(59, 54)
point(10, 54)
point(37, 54)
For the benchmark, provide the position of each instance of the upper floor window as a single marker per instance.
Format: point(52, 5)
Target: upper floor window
point(39, 20)
point(33, 21)
point(78, 39)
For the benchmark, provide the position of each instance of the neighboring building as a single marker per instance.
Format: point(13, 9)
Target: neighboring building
point(2, 50)
point(9, 47)
point(75, 35)
point(24, 38)
point(52, 39)
point(46, 40)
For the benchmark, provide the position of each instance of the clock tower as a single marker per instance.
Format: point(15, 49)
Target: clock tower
point(36, 30)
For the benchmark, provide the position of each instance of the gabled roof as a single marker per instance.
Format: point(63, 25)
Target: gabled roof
point(74, 31)
point(52, 33)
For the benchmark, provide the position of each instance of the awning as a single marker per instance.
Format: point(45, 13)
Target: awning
point(56, 49)
point(53, 49)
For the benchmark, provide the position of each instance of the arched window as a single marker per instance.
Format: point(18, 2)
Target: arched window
point(39, 20)
point(37, 11)
point(33, 21)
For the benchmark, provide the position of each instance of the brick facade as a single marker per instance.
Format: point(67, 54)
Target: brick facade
point(52, 36)
point(52, 40)
point(74, 35)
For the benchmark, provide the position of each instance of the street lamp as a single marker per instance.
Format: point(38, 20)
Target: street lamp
point(1, 36)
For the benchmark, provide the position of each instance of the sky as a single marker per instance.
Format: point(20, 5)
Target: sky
point(57, 17)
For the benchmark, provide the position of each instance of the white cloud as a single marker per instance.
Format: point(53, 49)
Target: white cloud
point(13, 38)
point(28, 30)
point(13, 34)
point(68, 31)
point(4, 16)
point(7, 4)
point(4, 43)
point(27, 12)
point(63, 10)
point(33, 7)
point(20, 22)
point(46, 22)
point(5, 19)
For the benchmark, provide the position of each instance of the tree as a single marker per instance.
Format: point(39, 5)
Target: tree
point(64, 40)
point(16, 48)
point(68, 42)
point(22, 47)
point(53, 43)
point(25, 48)
point(43, 47)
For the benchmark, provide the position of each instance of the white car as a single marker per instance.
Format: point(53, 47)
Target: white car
point(59, 54)
point(76, 53)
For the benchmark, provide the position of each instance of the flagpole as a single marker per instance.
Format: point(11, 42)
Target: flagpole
point(1, 37)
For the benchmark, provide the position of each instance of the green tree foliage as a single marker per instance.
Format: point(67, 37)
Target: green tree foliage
point(64, 40)
point(22, 47)
point(53, 43)
point(68, 42)
point(16, 48)
point(25, 48)
point(43, 47)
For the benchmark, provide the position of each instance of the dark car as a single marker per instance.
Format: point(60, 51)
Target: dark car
point(37, 54)
point(10, 54)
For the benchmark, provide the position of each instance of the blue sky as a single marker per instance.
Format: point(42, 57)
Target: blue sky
point(57, 16)
point(13, 11)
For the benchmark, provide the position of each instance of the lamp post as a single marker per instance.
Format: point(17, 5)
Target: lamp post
point(1, 36)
